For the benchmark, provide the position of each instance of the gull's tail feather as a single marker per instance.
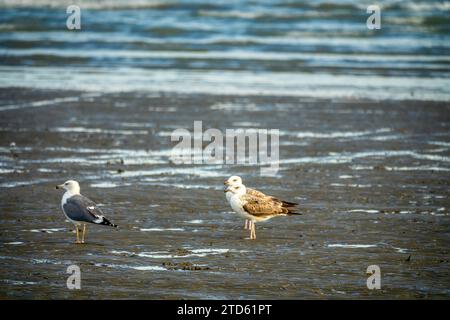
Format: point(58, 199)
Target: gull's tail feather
point(289, 204)
point(291, 208)
point(285, 204)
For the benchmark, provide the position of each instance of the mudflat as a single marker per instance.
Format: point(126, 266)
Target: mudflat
point(372, 179)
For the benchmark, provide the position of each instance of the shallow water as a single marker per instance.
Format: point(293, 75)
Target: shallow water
point(298, 48)
point(372, 179)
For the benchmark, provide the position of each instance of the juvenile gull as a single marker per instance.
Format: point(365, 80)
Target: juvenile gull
point(237, 181)
point(256, 208)
point(79, 209)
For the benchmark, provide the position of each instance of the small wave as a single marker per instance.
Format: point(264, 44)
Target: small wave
point(246, 124)
point(440, 143)
point(104, 185)
point(365, 210)
point(97, 130)
point(195, 221)
point(50, 230)
point(46, 261)
point(160, 229)
point(184, 186)
point(18, 282)
point(426, 6)
point(417, 168)
point(387, 137)
point(242, 82)
point(39, 103)
point(46, 170)
point(7, 171)
point(346, 157)
point(400, 250)
point(333, 135)
point(162, 109)
point(205, 171)
point(227, 106)
point(148, 268)
point(187, 253)
point(359, 167)
point(338, 245)
point(351, 185)
point(14, 184)
point(89, 4)
point(125, 266)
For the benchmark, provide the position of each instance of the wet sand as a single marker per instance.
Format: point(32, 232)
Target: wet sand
point(372, 178)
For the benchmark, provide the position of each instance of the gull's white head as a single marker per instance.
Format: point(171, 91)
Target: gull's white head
point(71, 186)
point(233, 181)
point(238, 190)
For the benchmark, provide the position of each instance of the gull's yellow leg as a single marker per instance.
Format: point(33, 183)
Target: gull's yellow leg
point(84, 232)
point(78, 235)
point(253, 231)
point(246, 224)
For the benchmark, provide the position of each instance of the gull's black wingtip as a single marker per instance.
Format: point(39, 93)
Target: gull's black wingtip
point(106, 222)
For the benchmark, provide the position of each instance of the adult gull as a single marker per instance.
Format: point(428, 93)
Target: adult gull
point(79, 209)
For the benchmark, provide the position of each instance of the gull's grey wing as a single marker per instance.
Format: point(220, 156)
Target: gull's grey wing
point(80, 208)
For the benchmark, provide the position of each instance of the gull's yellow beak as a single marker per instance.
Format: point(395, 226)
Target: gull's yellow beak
point(59, 186)
point(226, 183)
point(226, 190)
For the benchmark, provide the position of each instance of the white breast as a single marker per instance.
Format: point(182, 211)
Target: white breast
point(228, 196)
point(66, 196)
point(236, 204)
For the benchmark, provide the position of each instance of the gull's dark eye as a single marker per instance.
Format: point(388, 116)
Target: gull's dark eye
point(66, 183)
